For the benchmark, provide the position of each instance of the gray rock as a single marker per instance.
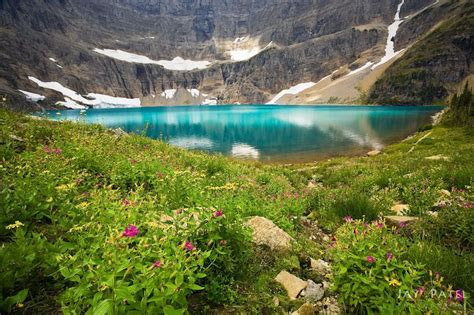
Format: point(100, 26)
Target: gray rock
point(265, 232)
point(320, 266)
point(314, 291)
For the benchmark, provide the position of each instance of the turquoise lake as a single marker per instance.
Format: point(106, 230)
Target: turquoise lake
point(266, 132)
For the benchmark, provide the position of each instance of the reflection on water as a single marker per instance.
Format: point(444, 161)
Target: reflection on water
point(268, 132)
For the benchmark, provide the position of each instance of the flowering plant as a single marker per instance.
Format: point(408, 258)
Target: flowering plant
point(372, 276)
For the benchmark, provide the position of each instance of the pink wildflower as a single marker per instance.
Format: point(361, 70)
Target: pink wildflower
point(219, 213)
point(58, 151)
point(348, 219)
point(468, 205)
point(370, 259)
point(460, 295)
point(126, 202)
point(130, 231)
point(157, 264)
point(189, 246)
point(389, 256)
point(402, 225)
point(46, 149)
point(420, 291)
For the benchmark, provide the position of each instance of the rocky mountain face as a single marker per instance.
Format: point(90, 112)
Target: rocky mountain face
point(437, 64)
point(254, 48)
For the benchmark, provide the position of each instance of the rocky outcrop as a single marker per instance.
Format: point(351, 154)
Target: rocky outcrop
point(434, 67)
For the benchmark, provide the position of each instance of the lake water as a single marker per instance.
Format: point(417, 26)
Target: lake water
point(267, 132)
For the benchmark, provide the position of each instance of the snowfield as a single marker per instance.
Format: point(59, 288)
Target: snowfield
point(94, 99)
point(392, 32)
point(33, 96)
point(292, 90)
point(177, 64)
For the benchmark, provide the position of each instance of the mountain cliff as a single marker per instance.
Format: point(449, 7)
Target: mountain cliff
point(112, 52)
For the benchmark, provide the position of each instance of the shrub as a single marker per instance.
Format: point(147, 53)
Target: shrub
point(371, 275)
point(455, 266)
point(153, 266)
point(355, 205)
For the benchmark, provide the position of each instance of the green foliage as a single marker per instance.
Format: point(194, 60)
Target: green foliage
point(74, 189)
point(451, 263)
point(453, 224)
point(356, 205)
point(372, 276)
point(461, 109)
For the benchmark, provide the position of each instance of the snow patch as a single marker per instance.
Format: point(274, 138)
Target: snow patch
point(293, 91)
point(392, 32)
point(177, 64)
point(194, 92)
point(209, 101)
point(245, 150)
point(111, 101)
point(32, 96)
point(168, 94)
point(240, 39)
point(69, 103)
point(98, 100)
point(246, 54)
point(56, 62)
point(367, 65)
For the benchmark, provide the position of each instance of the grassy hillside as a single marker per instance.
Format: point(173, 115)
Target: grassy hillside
point(431, 70)
point(99, 222)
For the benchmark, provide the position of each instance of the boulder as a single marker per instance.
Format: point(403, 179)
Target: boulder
point(265, 232)
point(292, 284)
point(314, 291)
point(320, 266)
point(396, 220)
point(400, 209)
point(374, 153)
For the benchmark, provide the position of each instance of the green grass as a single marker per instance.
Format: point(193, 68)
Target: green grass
point(72, 206)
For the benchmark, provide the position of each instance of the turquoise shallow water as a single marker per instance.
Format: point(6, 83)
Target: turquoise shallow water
point(267, 132)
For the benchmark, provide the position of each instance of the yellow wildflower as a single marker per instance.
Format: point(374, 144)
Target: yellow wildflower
point(15, 225)
point(394, 283)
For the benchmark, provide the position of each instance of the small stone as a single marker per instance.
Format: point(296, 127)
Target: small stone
point(265, 232)
point(276, 301)
point(314, 291)
point(445, 192)
point(320, 266)
point(305, 309)
point(330, 307)
point(397, 219)
point(374, 153)
point(16, 138)
point(400, 209)
point(119, 132)
point(311, 185)
point(439, 157)
point(292, 284)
